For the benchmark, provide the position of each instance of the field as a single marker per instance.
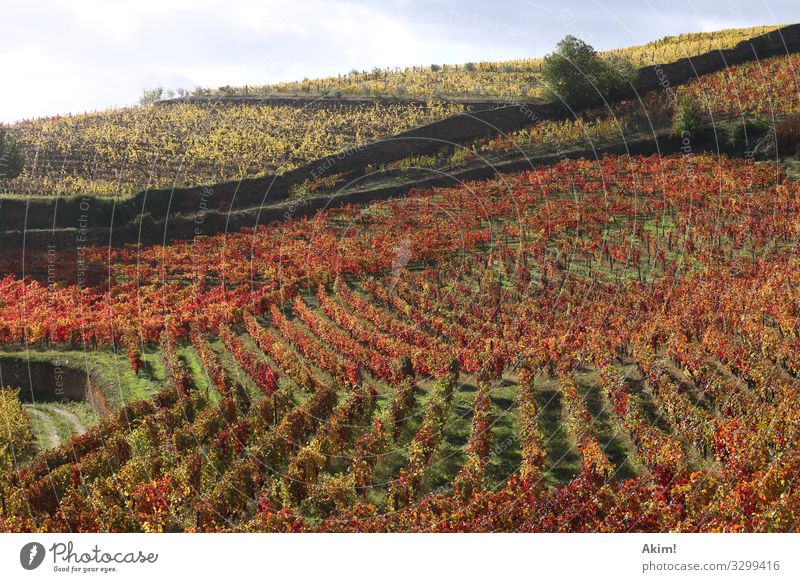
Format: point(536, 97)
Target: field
point(596, 359)
point(116, 153)
point(601, 344)
point(119, 152)
point(738, 105)
point(518, 79)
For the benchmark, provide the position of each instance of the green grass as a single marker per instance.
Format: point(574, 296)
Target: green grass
point(562, 458)
point(114, 375)
point(235, 372)
point(83, 410)
point(449, 457)
point(49, 423)
point(45, 433)
point(506, 447)
point(200, 378)
point(396, 456)
point(63, 427)
point(611, 436)
point(108, 371)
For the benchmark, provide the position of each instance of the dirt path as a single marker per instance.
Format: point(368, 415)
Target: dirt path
point(49, 433)
point(72, 418)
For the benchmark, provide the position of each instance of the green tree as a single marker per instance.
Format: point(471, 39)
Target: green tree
point(11, 159)
point(575, 74)
point(687, 120)
point(150, 96)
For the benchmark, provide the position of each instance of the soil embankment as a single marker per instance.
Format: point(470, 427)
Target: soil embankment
point(52, 381)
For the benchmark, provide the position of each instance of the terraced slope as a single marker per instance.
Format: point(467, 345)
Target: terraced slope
point(516, 79)
point(585, 347)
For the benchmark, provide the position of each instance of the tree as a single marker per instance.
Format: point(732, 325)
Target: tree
point(575, 74)
point(687, 121)
point(11, 159)
point(150, 96)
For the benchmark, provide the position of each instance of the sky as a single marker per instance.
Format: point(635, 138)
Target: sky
point(73, 56)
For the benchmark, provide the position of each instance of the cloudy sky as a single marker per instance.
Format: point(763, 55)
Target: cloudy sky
point(80, 55)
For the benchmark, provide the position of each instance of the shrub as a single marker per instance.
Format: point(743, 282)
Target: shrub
point(746, 133)
point(787, 136)
point(575, 74)
point(687, 120)
point(16, 439)
point(11, 159)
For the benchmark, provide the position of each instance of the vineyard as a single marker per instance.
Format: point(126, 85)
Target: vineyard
point(754, 91)
point(738, 105)
point(118, 152)
point(588, 346)
point(607, 341)
point(121, 151)
point(518, 79)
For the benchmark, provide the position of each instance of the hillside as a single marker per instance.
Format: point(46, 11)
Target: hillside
point(406, 317)
point(118, 152)
point(740, 101)
point(517, 79)
point(563, 369)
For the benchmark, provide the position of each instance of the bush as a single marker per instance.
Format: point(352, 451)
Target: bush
point(687, 120)
point(578, 76)
point(11, 159)
point(787, 136)
point(746, 133)
point(16, 438)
